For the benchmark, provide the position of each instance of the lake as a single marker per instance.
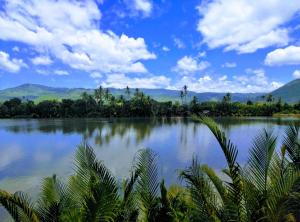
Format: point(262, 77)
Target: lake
point(33, 149)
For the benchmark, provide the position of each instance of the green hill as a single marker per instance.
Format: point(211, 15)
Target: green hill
point(38, 93)
point(290, 92)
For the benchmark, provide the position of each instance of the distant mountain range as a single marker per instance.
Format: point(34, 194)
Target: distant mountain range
point(289, 93)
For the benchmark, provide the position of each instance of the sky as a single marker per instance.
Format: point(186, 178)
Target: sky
point(242, 46)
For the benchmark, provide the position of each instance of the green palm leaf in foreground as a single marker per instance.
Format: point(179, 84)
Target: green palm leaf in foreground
point(266, 188)
point(18, 205)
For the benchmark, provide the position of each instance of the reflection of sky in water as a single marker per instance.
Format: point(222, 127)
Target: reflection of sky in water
point(33, 149)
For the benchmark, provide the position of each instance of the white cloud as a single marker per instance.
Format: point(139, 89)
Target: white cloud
point(121, 81)
point(229, 64)
point(61, 72)
point(296, 74)
point(189, 65)
point(96, 75)
point(69, 31)
point(244, 25)
point(223, 78)
point(179, 43)
point(41, 60)
point(165, 48)
point(42, 71)
point(10, 154)
point(252, 81)
point(286, 56)
point(201, 54)
point(16, 49)
point(143, 6)
point(10, 65)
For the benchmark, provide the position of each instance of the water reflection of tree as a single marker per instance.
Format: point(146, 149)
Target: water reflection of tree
point(133, 129)
point(231, 122)
point(101, 130)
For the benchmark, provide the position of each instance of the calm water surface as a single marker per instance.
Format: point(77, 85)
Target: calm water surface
point(33, 149)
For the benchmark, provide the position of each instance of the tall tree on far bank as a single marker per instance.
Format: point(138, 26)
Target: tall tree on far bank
point(127, 92)
point(185, 91)
point(227, 98)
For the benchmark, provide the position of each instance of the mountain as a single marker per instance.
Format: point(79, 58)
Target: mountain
point(289, 93)
point(38, 93)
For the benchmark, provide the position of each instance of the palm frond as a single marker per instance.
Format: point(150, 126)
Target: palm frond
point(217, 182)
point(97, 186)
point(147, 184)
point(234, 206)
point(128, 210)
point(19, 206)
point(53, 202)
point(204, 200)
point(292, 144)
point(129, 184)
point(165, 212)
point(282, 199)
point(229, 149)
point(283, 185)
point(260, 159)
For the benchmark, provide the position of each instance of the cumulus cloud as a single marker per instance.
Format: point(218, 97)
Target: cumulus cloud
point(42, 71)
point(16, 49)
point(143, 6)
point(41, 60)
point(10, 154)
point(165, 48)
point(96, 75)
point(229, 65)
point(189, 65)
point(69, 31)
point(201, 54)
point(252, 81)
point(296, 74)
point(244, 25)
point(285, 56)
point(121, 81)
point(61, 72)
point(10, 65)
point(178, 43)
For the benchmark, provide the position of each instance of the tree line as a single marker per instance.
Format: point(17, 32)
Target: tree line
point(137, 104)
point(266, 189)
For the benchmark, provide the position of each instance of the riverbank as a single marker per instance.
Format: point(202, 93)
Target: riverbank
point(287, 115)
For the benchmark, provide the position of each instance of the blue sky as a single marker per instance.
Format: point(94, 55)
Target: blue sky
point(209, 45)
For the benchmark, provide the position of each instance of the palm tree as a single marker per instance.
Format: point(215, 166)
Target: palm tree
point(107, 95)
point(181, 96)
point(92, 194)
point(84, 96)
point(227, 98)
point(185, 88)
point(122, 100)
point(98, 94)
point(18, 206)
point(137, 92)
point(269, 98)
point(127, 92)
point(262, 191)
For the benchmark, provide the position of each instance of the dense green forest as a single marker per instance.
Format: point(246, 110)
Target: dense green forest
point(137, 104)
point(267, 188)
